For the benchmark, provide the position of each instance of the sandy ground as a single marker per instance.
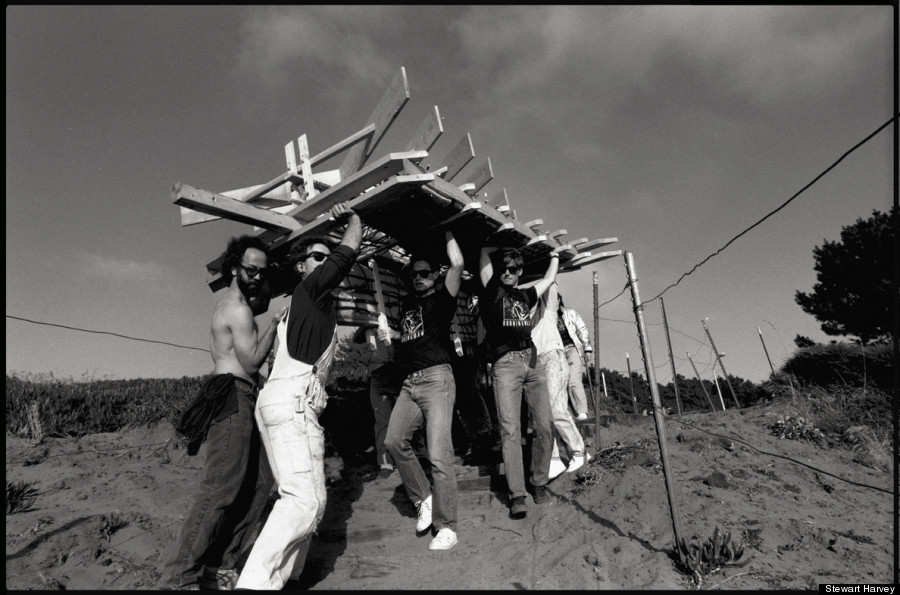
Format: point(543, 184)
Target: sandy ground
point(608, 526)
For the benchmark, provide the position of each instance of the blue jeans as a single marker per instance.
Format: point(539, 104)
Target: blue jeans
point(427, 397)
point(383, 390)
point(576, 382)
point(231, 498)
point(511, 376)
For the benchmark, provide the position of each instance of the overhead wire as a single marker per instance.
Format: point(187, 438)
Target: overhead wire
point(84, 330)
point(783, 205)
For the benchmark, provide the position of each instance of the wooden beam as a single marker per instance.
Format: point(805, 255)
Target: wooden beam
point(389, 165)
point(395, 97)
point(594, 244)
point(481, 175)
point(459, 157)
point(428, 132)
point(556, 234)
point(363, 135)
point(306, 167)
point(577, 263)
point(223, 206)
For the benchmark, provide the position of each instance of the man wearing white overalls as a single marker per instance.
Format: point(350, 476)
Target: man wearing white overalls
point(289, 406)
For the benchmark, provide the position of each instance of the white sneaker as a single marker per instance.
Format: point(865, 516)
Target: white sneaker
point(556, 468)
point(576, 463)
point(581, 417)
point(444, 540)
point(424, 517)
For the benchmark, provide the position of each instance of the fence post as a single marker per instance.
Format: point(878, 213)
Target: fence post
point(671, 356)
point(631, 383)
point(700, 380)
point(721, 365)
point(657, 406)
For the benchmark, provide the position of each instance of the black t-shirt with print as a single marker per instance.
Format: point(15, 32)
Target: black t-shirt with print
point(425, 331)
point(506, 315)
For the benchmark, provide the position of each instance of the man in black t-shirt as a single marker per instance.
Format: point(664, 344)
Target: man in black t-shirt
point(428, 394)
point(505, 312)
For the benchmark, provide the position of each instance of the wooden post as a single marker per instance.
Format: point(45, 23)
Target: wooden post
point(718, 389)
point(700, 380)
point(721, 365)
point(768, 359)
point(671, 356)
point(605, 394)
point(631, 383)
point(658, 417)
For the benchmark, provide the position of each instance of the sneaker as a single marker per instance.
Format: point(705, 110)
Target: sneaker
point(424, 516)
point(384, 472)
point(540, 495)
point(578, 462)
point(581, 417)
point(444, 540)
point(518, 508)
point(556, 468)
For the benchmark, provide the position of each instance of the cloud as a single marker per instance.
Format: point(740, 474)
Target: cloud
point(314, 42)
point(603, 55)
point(99, 265)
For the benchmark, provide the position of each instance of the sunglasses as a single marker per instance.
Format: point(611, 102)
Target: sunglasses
point(422, 273)
point(317, 256)
point(254, 271)
point(511, 270)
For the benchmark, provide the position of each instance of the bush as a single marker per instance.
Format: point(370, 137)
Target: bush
point(842, 364)
point(68, 408)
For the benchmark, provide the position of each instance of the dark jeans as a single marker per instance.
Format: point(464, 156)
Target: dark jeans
point(426, 398)
point(222, 521)
point(512, 376)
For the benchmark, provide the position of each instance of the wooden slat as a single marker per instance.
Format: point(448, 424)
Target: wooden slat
point(594, 244)
point(363, 135)
point(481, 175)
point(459, 157)
point(558, 233)
point(429, 131)
point(578, 263)
point(395, 97)
point(305, 167)
point(223, 206)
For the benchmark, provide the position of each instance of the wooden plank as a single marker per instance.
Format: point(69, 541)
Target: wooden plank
point(594, 244)
point(305, 167)
point(578, 263)
point(459, 157)
point(481, 175)
point(395, 97)
point(558, 234)
point(363, 135)
point(277, 197)
point(429, 131)
point(381, 170)
point(576, 243)
point(223, 206)
point(371, 200)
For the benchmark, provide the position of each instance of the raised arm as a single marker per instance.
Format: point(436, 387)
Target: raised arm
point(353, 233)
point(486, 269)
point(550, 276)
point(250, 348)
point(454, 274)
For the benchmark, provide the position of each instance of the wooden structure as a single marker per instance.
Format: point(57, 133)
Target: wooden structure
point(404, 205)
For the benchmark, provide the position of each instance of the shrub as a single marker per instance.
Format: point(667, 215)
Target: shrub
point(842, 364)
point(20, 497)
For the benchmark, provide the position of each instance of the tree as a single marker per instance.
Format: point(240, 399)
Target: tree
point(852, 295)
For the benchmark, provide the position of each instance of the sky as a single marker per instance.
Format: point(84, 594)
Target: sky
point(670, 128)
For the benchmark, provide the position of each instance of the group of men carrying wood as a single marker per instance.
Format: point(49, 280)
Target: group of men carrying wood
point(257, 438)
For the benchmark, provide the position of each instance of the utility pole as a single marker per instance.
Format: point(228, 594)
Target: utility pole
point(657, 405)
point(721, 365)
point(700, 380)
point(671, 356)
point(631, 383)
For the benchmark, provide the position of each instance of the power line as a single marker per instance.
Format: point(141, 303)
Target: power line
point(616, 296)
point(84, 330)
point(786, 203)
